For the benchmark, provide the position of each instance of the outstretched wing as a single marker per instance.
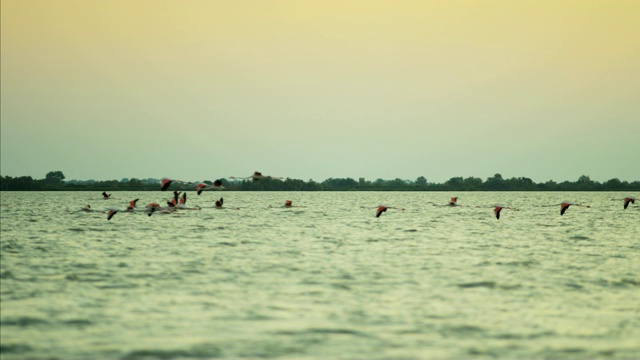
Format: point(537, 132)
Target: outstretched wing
point(497, 210)
point(164, 184)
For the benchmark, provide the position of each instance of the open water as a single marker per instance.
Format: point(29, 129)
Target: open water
point(325, 281)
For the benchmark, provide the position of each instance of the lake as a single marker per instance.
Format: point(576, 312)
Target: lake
point(325, 279)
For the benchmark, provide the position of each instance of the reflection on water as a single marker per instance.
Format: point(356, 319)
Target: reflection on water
point(324, 280)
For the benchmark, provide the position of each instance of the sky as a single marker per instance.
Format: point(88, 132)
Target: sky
point(204, 89)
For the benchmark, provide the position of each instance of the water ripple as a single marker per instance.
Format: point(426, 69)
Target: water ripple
point(320, 283)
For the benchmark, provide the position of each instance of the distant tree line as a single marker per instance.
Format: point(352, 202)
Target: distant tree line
point(54, 181)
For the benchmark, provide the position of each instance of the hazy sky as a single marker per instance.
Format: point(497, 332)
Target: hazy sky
point(205, 89)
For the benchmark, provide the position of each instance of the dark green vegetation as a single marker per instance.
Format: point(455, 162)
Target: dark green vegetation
point(54, 181)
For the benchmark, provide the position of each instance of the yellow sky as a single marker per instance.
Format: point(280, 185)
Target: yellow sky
point(312, 89)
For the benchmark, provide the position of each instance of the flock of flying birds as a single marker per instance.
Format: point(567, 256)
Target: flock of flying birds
point(178, 202)
point(498, 208)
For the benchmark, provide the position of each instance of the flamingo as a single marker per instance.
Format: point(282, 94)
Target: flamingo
point(383, 208)
point(452, 202)
point(256, 176)
point(151, 208)
point(182, 203)
point(106, 196)
point(164, 184)
point(177, 202)
point(202, 186)
point(132, 204)
point(219, 203)
point(154, 208)
point(87, 208)
point(497, 208)
point(565, 205)
point(289, 204)
point(111, 212)
point(176, 199)
point(219, 206)
point(627, 200)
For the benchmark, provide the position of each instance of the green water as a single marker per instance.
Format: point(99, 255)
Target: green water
point(325, 281)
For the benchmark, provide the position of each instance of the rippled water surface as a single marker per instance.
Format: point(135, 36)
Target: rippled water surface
point(327, 280)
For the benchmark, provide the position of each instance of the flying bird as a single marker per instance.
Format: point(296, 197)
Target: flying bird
point(383, 208)
point(151, 208)
point(627, 200)
point(565, 205)
point(111, 212)
point(452, 202)
point(219, 203)
point(175, 200)
point(164, 184)
point(182, 204)
point(289, 204)
point(498, 208)
point(132, 204)
point(256, 176)
point(106, 196)
point(203, 186)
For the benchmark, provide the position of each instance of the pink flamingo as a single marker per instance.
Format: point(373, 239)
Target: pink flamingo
point(166, 182)
point(219, 203)
point(256, 176)
point(111, 212)
point(565, 205)
point(383, 208)
point(452, 202)
point(152, 208)
point(202, 186)
point(627, 200)
point(498, 208)
point(289, 204)
point(132, 204)
point(182, 203)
